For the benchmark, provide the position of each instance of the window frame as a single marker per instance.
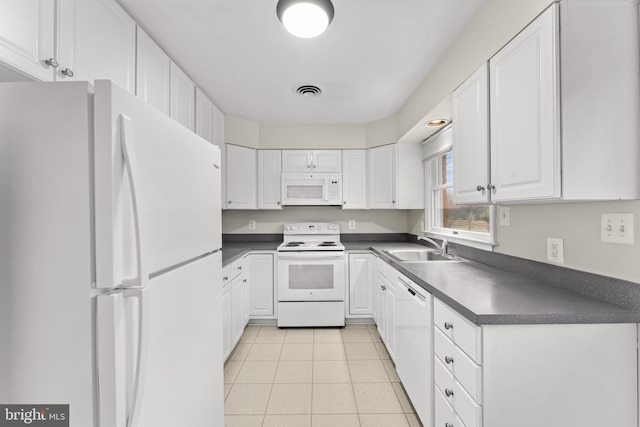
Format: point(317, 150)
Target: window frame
point(485, 241)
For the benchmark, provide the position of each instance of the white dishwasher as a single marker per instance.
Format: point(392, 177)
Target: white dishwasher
point(414, 345)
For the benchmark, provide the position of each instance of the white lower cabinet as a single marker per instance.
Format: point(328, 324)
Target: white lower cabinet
point(235, 302)
point(361, 289)
point(551, 375)
point(262, 301)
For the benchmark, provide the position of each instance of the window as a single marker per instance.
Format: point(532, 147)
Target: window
point(467, 223)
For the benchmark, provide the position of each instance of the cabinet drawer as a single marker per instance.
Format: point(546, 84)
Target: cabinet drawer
point(233, 270)
point(445, 416)
point(464, 370)
point(463, 333)
point(462, 403)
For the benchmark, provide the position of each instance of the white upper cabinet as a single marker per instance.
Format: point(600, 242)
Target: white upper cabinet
point(396, 176)
point(205, 126)
point(105, 43)
point(153, 72)
point(471, 136)
point(551, 89)
point(269, 188)
point(525, 118)
point(241, 177)
point(382, 177)
point(183, 98)
point(27, 37)
point(354, 179)
point(311, 161)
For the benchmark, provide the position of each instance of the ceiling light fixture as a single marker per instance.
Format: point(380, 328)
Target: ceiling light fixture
point(437, 122)
point(305, 18)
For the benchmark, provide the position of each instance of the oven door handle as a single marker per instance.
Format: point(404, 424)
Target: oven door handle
point(311, 254)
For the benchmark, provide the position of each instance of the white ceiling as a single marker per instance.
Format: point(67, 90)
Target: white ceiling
point(370, 60)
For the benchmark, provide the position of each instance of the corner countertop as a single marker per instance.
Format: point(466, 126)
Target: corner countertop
point(484, 295)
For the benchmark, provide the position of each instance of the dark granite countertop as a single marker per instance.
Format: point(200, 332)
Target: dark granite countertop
point(483, 294)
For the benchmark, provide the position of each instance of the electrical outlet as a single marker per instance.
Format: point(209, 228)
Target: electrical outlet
point(555, 250)
point(505, 215)
point(252, 225)
point(352, 224)
point(617, 228)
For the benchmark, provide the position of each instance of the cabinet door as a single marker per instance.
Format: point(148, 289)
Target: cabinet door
point(241, 177)
point(262, 284)
point(326, 161)
point(237, 301)
point(269, 188)
point(354, 179)
point(27, 36)
point(380, 306)
point(205, 126)
point(471, 139)
point(390, 295)
point(152, 73)
point(183, 98)
point(297, 160)
point(361, 284)
point(246, 300)
point(382, 179)
point(227, 321)
point(525, 145)
point(105, 43)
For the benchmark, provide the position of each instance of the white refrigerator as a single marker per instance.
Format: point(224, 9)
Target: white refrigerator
point(110, 263)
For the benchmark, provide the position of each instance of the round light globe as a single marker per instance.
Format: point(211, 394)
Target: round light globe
point(305, 20)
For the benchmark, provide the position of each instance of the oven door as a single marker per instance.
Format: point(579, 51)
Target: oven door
point(305, 189)
point(311, 276)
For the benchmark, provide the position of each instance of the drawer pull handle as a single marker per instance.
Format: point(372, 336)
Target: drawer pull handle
point(448, 392)
point(448, 325)
point(448, 425)
point(448, 360)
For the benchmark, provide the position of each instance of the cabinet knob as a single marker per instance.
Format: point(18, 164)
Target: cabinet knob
point(384, 288)
point(67, 72)
point(480, 188)
point(448, 392)
point(225, 278)
point(244, 281)
point(51, 62)
point(448, 425)
point(278, 202)
point(229, 202)
point(491, 187)
point(344, 203)
point(393, 201)
point(239, 267)
point(448, 325)
point(448, 360)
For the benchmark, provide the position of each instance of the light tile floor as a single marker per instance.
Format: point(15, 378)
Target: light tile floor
point(303, 377)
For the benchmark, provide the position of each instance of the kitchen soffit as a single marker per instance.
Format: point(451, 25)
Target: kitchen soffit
point(370, 60)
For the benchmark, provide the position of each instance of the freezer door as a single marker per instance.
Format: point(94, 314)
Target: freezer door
point(175, 191)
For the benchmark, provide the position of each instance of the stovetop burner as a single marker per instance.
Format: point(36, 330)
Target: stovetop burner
point(293, 244)
point(327, 244)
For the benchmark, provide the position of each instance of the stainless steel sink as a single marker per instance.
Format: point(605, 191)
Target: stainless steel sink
point(420, 255)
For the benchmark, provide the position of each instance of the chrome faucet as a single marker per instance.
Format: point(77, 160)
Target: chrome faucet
point(443, 247)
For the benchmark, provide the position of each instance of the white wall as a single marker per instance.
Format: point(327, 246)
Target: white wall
point(367, 221)
point(312, 136)
point(241, 132)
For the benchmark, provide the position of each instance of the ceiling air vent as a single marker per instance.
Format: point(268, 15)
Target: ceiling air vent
point(308, 91)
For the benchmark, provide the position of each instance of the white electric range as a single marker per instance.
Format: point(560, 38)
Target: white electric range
point(311, 276)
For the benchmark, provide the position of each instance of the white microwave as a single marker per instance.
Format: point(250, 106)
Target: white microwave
point(311, 189)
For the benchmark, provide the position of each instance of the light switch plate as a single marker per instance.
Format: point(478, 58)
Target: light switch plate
point(617, 228)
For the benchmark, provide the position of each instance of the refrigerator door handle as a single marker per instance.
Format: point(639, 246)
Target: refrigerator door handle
point(143, 347)
point(131, 164)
